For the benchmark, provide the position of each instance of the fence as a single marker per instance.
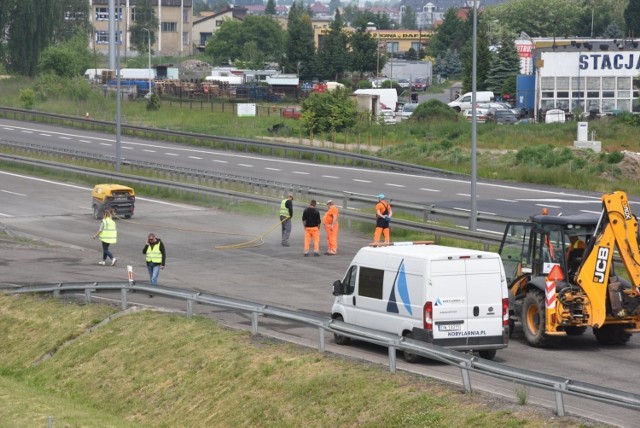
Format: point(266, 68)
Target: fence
point(466, 363)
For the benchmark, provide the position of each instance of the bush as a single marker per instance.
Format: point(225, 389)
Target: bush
point(330, 111)
point(68, 59)
point(434, 110)
point(153, 103)
point(365, 84)
point(27, 98)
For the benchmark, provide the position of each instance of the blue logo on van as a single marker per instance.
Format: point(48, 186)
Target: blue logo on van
point(400, 283)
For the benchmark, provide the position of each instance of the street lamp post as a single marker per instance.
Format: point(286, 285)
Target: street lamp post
point(149, 52)
point(371, 25)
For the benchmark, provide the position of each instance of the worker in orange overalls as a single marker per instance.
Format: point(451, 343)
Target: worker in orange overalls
point(330, 221)
point(383, 216)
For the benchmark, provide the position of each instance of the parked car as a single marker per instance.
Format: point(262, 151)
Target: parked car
point(292, 112)
point(501, 116)
point(420, 84)
point(403, 83)
point(387, 117)
point(481, 115)
point(407, 110)
point(555, 116)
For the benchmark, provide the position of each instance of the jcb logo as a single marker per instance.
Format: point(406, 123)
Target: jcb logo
point(601, 265)
point(627, 212)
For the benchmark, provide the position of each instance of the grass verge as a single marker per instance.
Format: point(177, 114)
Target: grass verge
point(152, 369)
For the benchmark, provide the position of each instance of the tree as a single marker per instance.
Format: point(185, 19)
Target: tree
point(364, 52)
point(358, 18)
point(329, 111)
point(408, 21)
point(29, 26)
point(483, 60)
point(334, 5)
point(67, 59)
point(505, 66)
point(333, 58)
point(299, 45)
point(449, 36)
point(201, 6)
point(270, 9)
point(145, 18)
point(538, 18)
point(254, 41)
point(448, 65)
point(632, 18)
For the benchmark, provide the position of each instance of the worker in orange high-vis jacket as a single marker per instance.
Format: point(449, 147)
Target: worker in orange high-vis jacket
point(383, 217)
point(331, 226)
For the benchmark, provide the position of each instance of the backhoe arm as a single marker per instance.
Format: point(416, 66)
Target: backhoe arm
point(618, 228)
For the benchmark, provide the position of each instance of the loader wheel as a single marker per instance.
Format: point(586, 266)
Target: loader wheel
point(340, 339)
point(612, 334)
point(533, 319)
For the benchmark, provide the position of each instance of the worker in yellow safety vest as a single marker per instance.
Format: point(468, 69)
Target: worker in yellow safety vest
point(108, 234)
point(286, 212)
point(156, 257)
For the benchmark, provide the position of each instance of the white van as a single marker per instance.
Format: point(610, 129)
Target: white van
point(463, 102)
point(451, 297)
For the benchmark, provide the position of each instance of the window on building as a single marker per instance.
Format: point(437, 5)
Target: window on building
point(549, 94)
point(608, 94)
point(608, 106)
point(592, 94)
point(547, 84)
point(563, 94)
point(185, 15)
point(102, 13)
point(204, 38)
point(562, 104)
point(577, 105)
point(370, 282)
point(624, 105)
point(624, 94)
point(635, 103)
point(608, 83)
point(577, 83)
point(624, 83)
point(219, 22)
point(392, 47)
point(102, 37)
point(185, 38)
point(169, 27)
point(547, 104)
point(593, 105)
point(562, 83)
point(416, 46)
point(593, 83)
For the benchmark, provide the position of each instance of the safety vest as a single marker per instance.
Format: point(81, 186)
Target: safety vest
point(109, 234)
point(153, 253)
point(284, 211)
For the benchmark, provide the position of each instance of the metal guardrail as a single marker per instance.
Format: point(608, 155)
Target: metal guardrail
point(238, 144)
point(465, 362)
point(427, 213)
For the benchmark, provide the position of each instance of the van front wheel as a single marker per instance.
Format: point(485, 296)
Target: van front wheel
point(340, 339)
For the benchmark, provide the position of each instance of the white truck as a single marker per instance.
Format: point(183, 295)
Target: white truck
point(451, 297)
point(463, 102)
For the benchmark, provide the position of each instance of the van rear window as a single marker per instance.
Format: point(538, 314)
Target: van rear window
point(370, 282)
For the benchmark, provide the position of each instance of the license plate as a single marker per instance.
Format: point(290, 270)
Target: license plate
point(449, 327)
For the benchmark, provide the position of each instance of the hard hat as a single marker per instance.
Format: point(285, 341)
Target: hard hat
point(381, 196)
point(330, 201)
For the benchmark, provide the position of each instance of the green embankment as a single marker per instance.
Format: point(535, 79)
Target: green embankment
point(158, 369)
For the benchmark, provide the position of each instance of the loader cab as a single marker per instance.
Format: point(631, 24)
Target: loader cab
point(531, 249)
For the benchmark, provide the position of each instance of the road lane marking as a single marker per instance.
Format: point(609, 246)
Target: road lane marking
point(245, 165)
point(394, 185)
point(5, 215)
point(171, 154)
point(361, 181)
point(330, 176)
point(300, 172)
point(273, 169)
point(507, 200)
point(148, 150)
point(590, 212)
point(547, 206)
point(466, 195)
point(46, 135)
point(13, 193)
point(105, 144)
point(127, 148)
point(26, 132)
point(219, 161)
point(195, 157)
point(429, 190)
point(64, 138)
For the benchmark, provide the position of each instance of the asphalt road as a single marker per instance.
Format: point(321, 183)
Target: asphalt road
point(444, 191)
point(60, 215)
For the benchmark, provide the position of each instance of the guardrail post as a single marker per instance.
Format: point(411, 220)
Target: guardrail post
point(123, 298)
point(392, 359)
point(466, 379)
point(559, 388)
point(320, 339)
point(56, 293)
point(189, 308)
point(254, 323)
point(87, 295)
